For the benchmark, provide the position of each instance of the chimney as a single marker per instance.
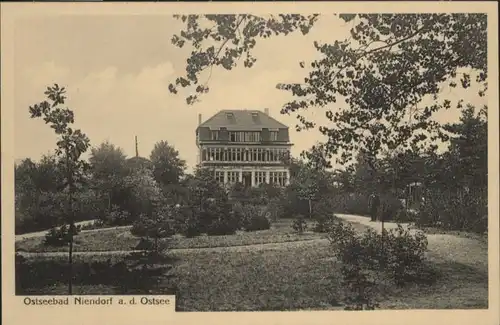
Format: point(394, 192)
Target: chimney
point(199, 119)
point(136, 147)
point(266, 110)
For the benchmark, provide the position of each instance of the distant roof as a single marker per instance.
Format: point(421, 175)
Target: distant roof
point(245, 120)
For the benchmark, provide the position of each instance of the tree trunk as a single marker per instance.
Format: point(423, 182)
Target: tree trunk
point(71, 224)
point(310, 209)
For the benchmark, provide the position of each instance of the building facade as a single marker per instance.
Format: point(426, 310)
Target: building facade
point(244, 146)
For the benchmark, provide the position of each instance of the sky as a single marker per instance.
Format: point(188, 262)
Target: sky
point(117, 69)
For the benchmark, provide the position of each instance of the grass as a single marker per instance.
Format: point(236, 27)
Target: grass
point(297, 275)
point(121, 239)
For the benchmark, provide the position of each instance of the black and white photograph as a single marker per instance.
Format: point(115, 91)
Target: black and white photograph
point(281, 161)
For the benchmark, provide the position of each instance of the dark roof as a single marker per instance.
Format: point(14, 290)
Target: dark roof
point(244, 120)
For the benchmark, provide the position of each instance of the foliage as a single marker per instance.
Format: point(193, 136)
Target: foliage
point(218, 218)
point(96, 224)
point(168, 167)
point(41, 273)
point(150, 266)
point(188, 223)
point(156, 226)
point(143, 193)
point(60, 236)
point(108, 165)
point(231, 37)
point(208, 205)
point(251, 217)
point(388, 64)
point(397, 254)
point(299, 224)
point(71, 145)
point(455, 185)
point(324, 223)
point(116, 217)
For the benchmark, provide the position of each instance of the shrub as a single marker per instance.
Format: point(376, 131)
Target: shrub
point(405, 255)
point(123, 273)
point(454, 210)
point(357, 278)
point(186, 223)
point(59, 237)
point(117, 217)
point(398, 254)
point(299, 225)
point(324, 223)
point(251, 217)
point(275, 208)
point(96, 224)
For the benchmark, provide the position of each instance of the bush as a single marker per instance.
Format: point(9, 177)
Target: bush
point(125, 274)
point(454, 210)
point(96, 224)
point(405, 255)
point(299, 225)
point(186, 223)
point(324, 223)
point(251, 217)
point(117, 217)
point(398, 254)
point(59, 237)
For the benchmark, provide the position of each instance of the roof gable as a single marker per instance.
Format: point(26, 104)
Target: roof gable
point(245, 120)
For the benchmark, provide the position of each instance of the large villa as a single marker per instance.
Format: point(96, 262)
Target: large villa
point(246, 146)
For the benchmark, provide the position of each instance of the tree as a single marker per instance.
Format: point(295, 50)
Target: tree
point(468, 151)
point(168, 167)
point(36, 186)
point(151, 264)
point(70, 146)
point(144, 192)
point(370, 83)
point(108, 164)
point(208, 205)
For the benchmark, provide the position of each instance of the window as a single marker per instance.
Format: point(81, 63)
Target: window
point(232, 177)
point(218, 154)
point(215, 135)
point(252, 136)
point(278, 178)
point(211, 155)
point(219, 176)
point(230, 117)
point(259, 178)
point(274, 135)
point(272, 155)
point(273, 177)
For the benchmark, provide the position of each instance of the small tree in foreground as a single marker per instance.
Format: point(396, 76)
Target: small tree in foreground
point(71, 145)
point(149, 264)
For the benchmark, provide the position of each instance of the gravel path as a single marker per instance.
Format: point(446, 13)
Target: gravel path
point(81, 223)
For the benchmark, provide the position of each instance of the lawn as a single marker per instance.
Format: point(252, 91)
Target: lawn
point(291, 276)
point(112, 239)
point(294, 274)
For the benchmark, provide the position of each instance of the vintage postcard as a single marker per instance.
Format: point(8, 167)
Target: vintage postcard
point(281, 163)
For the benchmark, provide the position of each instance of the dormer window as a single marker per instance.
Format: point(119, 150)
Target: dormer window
point(255, 117)
point(215, 135)
point(230, 116)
